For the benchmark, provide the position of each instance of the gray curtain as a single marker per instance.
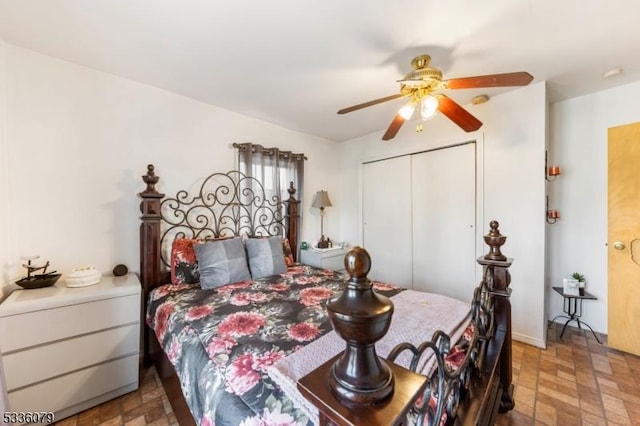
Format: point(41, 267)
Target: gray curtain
point(274, 169)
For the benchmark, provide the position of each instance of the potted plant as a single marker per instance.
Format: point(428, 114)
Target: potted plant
point(581, 281)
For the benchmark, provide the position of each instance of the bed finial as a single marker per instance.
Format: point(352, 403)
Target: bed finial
point(494, 239)
point(150, 179)
point(357, 262)
point(361, 317)
point(291, 190)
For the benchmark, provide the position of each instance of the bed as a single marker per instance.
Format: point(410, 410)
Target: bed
point(240, 345)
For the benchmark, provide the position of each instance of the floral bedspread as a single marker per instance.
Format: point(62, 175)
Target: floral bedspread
point(221, 342)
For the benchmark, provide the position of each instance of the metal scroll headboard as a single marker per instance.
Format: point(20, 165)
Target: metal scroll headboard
point(225, 204)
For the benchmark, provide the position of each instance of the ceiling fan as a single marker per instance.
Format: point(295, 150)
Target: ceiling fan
point(423, 86)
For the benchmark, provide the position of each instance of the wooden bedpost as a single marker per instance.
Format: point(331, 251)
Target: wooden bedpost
point(291, 222)
point(495, 267)
point(361, 317)
point(150, 247)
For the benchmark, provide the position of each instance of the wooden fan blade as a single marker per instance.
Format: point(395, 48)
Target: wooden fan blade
point(493, 80)
point(371, 103)
point(395, 125)
point(457, 114)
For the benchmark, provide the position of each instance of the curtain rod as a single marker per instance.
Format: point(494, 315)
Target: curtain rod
point(268, 151)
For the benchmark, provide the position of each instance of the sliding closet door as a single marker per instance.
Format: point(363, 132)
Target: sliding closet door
point(386, 218)
point(444, 212)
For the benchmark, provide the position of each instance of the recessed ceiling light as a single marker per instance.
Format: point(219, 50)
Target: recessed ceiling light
point(612, 73)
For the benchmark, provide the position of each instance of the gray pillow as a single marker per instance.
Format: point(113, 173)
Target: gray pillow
point(221, 262)
point(265, 256)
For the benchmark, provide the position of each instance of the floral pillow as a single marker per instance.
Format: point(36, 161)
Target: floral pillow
point(184, 266)
point(288, 254)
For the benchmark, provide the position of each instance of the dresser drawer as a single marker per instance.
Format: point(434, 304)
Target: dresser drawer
point(65, 349)
point(47, 325)
point(44, 362)
point(71, 389)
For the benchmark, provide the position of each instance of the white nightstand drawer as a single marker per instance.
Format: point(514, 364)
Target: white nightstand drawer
point(43, 362)
point(74, 388)
point(335, 263)
point(330, 259)
point(38, 327)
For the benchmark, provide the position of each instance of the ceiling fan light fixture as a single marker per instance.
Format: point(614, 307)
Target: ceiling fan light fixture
point(428, 107)
point(424, 77)
point(407, 110)
point(424, 85)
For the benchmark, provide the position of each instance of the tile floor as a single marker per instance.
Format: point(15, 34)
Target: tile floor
point(575, 381)
point(146, 406)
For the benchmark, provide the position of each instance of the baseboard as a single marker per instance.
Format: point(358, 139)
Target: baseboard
point(529, 340)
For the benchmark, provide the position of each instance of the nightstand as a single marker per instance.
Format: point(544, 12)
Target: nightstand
point(67, 349)
point(332, 258)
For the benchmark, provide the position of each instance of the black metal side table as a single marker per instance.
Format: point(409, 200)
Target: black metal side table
point(572, 306)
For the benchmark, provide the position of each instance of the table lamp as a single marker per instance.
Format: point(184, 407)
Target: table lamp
point(321, 201)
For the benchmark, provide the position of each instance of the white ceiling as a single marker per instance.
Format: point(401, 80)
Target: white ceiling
point(296, 62)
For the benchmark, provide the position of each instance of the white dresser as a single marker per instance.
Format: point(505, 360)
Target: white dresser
point(324, 258)
point(67, 349)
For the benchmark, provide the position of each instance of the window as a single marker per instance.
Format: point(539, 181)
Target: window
point(273, 168)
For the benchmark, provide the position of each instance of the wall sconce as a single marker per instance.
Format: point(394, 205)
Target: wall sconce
point(552, 172)
point(552, 215)
point(321, 201)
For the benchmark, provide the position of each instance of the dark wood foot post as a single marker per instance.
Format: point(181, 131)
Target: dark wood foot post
point(361, 317)
point(496, 270)
point(292, 220)
point(149, 247)
point(501, 281)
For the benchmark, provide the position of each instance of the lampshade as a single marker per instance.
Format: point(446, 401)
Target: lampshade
point(322, 200)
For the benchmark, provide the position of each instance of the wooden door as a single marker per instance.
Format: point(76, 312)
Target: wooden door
point(386, 216)
point(444, 214)
point(624, 238)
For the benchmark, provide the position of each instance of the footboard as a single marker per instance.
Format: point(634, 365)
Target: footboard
point(472, 380)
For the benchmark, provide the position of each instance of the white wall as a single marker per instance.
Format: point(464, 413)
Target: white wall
point(78, 141)
point(511, 188)
point(578, 143)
